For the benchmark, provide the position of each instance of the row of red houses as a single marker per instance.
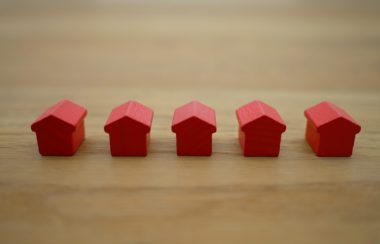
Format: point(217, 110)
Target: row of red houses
point(330, 131)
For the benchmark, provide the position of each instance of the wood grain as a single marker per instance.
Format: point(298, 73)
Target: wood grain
point(289, 56)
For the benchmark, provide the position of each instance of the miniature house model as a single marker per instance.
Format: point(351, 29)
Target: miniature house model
point(330, 131)
point(260, 129)
point(129, 128)
point(194, 123)
point(60, 129)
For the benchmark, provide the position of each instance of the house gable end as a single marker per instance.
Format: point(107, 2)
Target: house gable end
point(193, 125)
point(340, 125)
point(126, 124)
point(52, 122)
point(264, 122)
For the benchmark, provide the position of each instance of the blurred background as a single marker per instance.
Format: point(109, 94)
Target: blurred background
point(178, 44)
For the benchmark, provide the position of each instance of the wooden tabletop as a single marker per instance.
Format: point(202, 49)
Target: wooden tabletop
point(289, 55)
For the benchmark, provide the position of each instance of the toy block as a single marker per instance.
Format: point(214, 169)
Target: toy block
point(60, 129)
point(194, 123)
point(260, 129)
point(330, 131)
point(129, 127)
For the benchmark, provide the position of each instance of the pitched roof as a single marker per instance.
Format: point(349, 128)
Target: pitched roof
point(193, 110)
point(132, 110)
point(258, 114)
point(64, 111)
point(323, 114)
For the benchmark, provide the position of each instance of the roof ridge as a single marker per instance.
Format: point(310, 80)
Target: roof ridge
point(195, 108)
point(336, 109)
point(261, 108)
point(128, 109)
point(56, 107)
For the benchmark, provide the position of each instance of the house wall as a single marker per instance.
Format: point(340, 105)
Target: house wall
point(54, 143)
point(262, 143)
point(336, 143)
point(194, 144)
point(312, 136)
point(124, 143)
point(241, 139)
point(78, 136)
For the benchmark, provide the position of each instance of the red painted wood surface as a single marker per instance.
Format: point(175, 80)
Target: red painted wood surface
point(194, 123)
point(330, 131)
point(129, 127)
point(60, 129)
point(260, 129)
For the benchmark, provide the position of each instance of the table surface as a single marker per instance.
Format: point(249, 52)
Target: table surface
point(225, 55)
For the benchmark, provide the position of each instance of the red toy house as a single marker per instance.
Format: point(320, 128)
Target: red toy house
point(260, 129)
point(194, 123)
point(60, 129)
point(330, 131)
point(129, 127)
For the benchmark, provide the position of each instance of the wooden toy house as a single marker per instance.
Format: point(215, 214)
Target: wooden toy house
point(194, 123)
point(260, 129)
point(330, 131)
point(60, 129)
point(129, 127)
